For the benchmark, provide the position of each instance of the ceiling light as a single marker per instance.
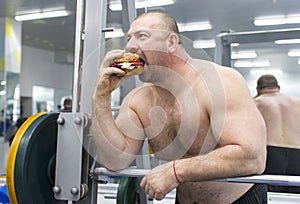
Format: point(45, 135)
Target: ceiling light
point(117, 6)
point(266, 71)
point(42, 15)
point(243, 54)
point(294, 53)
point(116, 33)
point(276, 20)
point(287, 41)
point(292, 19)
point(198, 44)
point(299, 62)
point(235, 44)
point(264, 63)
point(204, 25)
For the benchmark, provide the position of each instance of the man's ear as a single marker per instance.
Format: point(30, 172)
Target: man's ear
point(257, 90)
point(173, 41)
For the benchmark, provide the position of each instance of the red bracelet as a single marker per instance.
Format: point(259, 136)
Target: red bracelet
point(175, 174)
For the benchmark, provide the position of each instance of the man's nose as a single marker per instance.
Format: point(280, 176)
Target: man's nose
point(132, 46)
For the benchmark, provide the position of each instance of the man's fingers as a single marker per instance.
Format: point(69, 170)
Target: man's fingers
point(111, 56)
point(143, 183)
point(113, 71)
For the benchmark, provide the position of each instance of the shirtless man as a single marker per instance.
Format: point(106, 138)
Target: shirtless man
point(281, 113)
point(192, 111)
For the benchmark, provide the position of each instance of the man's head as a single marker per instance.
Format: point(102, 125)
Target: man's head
point(154, 33)
point(267, 83)
point(67, 103)
point(168, 23)
point(155, 37)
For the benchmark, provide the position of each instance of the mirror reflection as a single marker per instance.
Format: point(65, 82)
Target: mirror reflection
point(2, 102)
point(273, 79)
point(47, 99)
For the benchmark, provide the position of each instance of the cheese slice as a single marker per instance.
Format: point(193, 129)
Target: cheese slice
point(126, 65)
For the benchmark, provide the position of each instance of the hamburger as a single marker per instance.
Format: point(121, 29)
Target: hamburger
point(129, 62)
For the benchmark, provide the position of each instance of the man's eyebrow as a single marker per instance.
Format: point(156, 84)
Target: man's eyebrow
point(137, 32)
point(128, 35)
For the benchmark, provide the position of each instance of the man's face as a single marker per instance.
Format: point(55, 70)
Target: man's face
point(148, 38)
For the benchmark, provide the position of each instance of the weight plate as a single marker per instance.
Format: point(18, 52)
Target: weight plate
point(128, 191)
point(32, 161)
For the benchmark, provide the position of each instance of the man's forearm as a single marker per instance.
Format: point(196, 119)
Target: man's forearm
point(110, 141)
point(225, 162)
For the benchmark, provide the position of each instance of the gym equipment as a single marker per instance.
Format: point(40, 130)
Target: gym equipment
point(128, 190)
point(31, 162)
point(224, 41)
point(51, 159)
point(264, 179)
point(70, 177)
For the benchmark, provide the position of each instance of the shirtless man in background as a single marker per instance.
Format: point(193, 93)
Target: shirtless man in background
point(198, 116)
point(281, 113)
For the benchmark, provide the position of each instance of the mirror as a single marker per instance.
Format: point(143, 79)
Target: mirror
point(271, 59)
point(10, 110)
point(9, 99)
point(282, 157)
point(13, 96)
point(2, 102)
point(45, 99)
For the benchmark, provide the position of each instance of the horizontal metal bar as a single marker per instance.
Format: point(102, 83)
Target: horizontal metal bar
point(125, 172)
point(280, 180)
point(259, 36)
point(115, 108)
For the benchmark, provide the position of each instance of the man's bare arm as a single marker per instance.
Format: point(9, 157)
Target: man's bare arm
point(242, 140)
point(116, 148)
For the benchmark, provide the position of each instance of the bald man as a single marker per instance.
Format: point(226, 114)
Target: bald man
point(281, 113)
point(198, 116)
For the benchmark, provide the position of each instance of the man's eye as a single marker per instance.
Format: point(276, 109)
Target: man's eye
point(141, 35)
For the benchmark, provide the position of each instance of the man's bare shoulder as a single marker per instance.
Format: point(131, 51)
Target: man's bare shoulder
point(140, 96)
point(231, 78)
point(263, 101)
point(295, 99)
point(221, 70)
point(209, 70)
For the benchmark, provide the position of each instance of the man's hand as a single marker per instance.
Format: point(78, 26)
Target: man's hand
point(159, 181)
point(109, 78)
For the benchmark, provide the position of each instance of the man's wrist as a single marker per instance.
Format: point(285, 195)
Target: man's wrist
point(175, 172)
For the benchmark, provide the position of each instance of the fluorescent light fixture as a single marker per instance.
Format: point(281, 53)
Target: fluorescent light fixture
point(243, 54)
point(198, 44)
point(277, 20)
point(116, 33)
point(2, 93)
point(299, 61)
point(264, 63)
point(235, 44)
point(277, 71)
point(294, 53)
point(292, 19)
point(117, 6)
point(202, 25)
point(287, 41)
point(42, 15)
point(3, 83)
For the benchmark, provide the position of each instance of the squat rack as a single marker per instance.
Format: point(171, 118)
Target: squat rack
point(224, 40)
